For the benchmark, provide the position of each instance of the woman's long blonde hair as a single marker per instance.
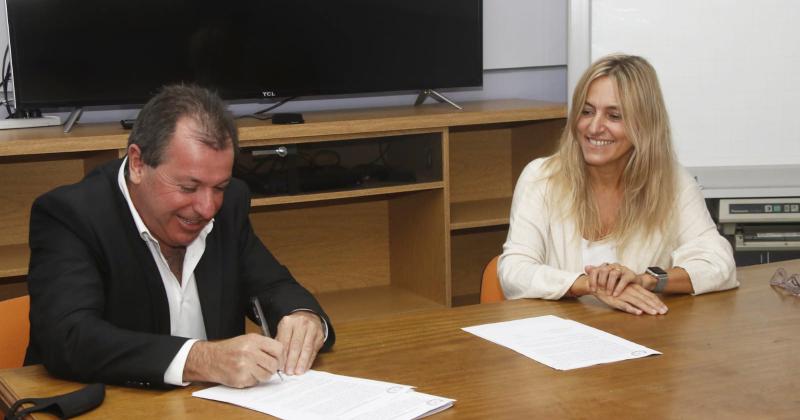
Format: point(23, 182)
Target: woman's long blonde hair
point(648, 178)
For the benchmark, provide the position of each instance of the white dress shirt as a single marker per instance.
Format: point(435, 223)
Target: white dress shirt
point(598, 252)
point(185, 313)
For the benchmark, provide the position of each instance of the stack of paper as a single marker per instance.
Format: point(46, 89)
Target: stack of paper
point(562, 344)
point(320, 395)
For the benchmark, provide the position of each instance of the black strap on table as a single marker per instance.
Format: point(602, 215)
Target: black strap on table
point(64, 406)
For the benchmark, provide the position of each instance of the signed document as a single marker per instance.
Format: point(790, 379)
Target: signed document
point(560, 343)
point(320, 395)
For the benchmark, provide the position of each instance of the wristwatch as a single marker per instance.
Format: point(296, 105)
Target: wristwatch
point(661, 277)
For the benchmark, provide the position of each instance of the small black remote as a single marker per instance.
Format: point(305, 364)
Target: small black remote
point(127, 124)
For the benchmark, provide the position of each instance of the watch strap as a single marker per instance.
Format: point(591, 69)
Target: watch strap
point(660, 284)
point(661, 281)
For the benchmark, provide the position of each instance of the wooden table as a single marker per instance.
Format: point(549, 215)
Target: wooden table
point(733, 354)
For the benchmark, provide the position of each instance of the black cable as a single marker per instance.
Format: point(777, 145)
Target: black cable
point(276, 162)
point(258, 117)
point(382, 153)
point(6, 79)
point(273, 106)
point(258, 166)
point(258, 114)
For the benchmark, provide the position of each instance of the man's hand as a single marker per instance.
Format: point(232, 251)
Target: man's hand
point(634, 299)
point(237, 362)
point(302, 335)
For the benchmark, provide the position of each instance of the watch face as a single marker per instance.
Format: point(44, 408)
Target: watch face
point(657, 270)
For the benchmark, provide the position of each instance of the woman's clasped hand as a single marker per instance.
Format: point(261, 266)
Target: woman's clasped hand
point(621, 288)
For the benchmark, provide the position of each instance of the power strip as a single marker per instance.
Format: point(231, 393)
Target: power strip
point(45, 121)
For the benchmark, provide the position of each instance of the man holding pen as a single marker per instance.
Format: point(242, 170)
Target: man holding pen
point(141, 274)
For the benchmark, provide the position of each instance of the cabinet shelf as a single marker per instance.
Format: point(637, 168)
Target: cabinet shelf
point(480, 213)
point(338, 195)
point(363, 303)
point(485, 163)
point(14, 260)
point(369, 302)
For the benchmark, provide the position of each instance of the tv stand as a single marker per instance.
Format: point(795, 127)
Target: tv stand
point(45, 121)
point(73, 118)
point(435, 95)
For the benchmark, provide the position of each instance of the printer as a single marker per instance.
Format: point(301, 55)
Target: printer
point(757, 209)
point(761, 224)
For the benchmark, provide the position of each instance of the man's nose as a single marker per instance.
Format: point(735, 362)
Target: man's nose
point(205, 203)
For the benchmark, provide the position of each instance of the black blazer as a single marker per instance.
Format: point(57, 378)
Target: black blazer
point(99, 311)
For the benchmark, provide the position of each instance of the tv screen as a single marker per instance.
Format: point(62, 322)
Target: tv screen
point(107, 52)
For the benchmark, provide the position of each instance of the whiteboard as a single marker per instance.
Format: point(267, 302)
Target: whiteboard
point(729, 71)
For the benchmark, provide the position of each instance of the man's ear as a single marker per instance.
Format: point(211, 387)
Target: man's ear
point(135, 164)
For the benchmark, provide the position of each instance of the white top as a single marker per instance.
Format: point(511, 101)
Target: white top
point(185, 313)
point(597, 253)
point(542, 255)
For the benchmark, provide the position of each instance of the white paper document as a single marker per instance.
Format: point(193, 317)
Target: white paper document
point(320, 395)
point(560, 343)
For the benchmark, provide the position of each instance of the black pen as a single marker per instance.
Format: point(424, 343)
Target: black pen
point(262, 322)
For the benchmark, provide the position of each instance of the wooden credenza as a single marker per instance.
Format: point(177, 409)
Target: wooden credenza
point(362, 251)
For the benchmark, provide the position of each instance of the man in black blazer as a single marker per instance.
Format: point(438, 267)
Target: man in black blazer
point(141, 274)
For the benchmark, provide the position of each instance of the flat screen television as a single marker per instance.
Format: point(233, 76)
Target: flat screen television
point(69, 53)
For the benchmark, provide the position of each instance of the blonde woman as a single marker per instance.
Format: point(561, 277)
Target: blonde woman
point(611, 213)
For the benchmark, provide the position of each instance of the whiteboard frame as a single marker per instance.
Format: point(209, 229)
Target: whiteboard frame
point(579, 42)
